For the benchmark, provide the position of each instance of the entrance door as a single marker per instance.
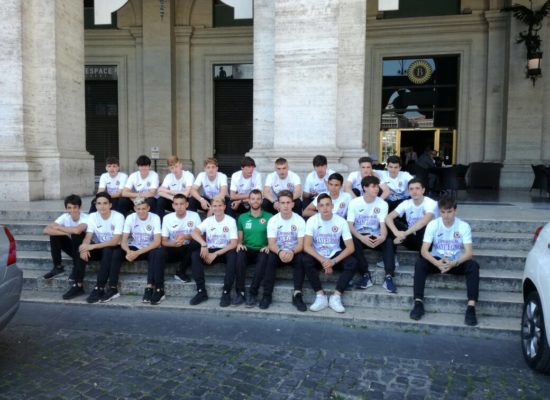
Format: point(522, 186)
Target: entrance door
point(102, 121)
point(232, 116)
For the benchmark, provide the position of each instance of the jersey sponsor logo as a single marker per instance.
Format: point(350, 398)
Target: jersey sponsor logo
point(190, 224)
point(293, 228)
point(149, 227)
point(376, 210)
point(262, 221)
point(226, 229)
point(335, 228)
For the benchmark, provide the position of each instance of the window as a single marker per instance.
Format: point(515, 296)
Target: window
point(89, 17)
point(424, 8)
point(224, 15)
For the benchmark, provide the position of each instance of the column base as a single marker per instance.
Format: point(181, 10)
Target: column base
point(518, 174)
point(22, 180)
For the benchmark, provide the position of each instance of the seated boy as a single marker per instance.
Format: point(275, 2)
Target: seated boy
point(447, 248)
point(352, 185)
point(209, 184)
point(177, 181)
point(317, 180)
point(142, 183)
point(340, 199)
point(282, 179)
point(102, 242)
point(112, 182)
point(67, 233)
point(396, 181)
point(242, 183)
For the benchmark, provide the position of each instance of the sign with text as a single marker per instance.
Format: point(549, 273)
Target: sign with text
point(100, 72)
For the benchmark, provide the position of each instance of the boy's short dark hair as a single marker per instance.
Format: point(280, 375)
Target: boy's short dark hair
point(111, 160)
point(337, 177)
point(323, 196)
point(319, 160)
point(369, 180)
point(285, 193)
point(248, 162)
point(364, 159)
point(417, 180)
point(73, 199)
point(281, 161)
point(104, 194)
point(143, 160)
point(180, 196)
point(255, 191)
point(394, 160)
point(446, 203)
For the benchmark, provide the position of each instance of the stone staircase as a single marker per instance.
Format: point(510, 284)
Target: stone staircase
point(500, 248)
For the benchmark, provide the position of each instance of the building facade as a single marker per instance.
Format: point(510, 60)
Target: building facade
point(304, 77)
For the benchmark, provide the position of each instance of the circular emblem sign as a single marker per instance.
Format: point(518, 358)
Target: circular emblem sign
point(419, 72)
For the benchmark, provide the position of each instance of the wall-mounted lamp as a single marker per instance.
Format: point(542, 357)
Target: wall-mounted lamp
point(531, 38)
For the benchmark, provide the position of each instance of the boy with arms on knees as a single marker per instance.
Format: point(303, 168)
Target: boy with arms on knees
point(447, 248)
point(285, 236)
point(242, 183)
point(142, 183)
point(282, 179)
point(177, 181)
point(102, 242)
point(209, 184)
point(322, 247)
point(217, 237)
point(141, 241)
point(366, 217)
point(176, 235)
point(252, 247)
point(67, 233)
point(112, 182)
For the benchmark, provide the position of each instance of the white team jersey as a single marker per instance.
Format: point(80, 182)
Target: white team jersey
point(218, 234)
point(172, 225)
point(414, 213)
point(170, 182)
point(142, 232)
point(355, 179)
point(104, 229)
point(340, 204)
point(327, 234)
point(210, 188)
point(113, 184)
point(314, 184)
point(448, 242)
point(140, 185)
point(242, 185)
point(367, 217)
point(277, 184)
point(398, 186)
point(286, 231)
point(66, 221)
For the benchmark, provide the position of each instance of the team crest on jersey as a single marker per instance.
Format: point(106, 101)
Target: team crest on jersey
point(342, 205)
point(335, 228)
point(149, 227)
point(400, 184)
point(457, 235)
point(117, 183)
point(293, 228)
point(376, 210)
point(262, 221)
point(289, 186)
point(148, 184)
point(190, 224)
point(226, 229)
point(112, 227)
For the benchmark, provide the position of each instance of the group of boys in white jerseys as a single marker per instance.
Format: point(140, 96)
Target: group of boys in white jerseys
point(373, 210)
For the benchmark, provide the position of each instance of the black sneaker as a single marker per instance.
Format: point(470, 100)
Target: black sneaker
point(57, 270)
point(182, 277)
point(265, 302)
point(158, 296)
point(199, 297)
point(470, 318)
point(147, 295)
point(96, 295)
point(239, 299)
point(418, 310)
point(74, 291)
point(298, 302)
point(110, 294)
point(225, 299)
point(251, 300)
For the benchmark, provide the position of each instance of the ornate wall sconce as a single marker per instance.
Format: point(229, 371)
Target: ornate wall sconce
point(531, 38)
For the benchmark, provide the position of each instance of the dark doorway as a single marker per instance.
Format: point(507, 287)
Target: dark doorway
point(417, 140)
point(232, 122)
point(102, 121)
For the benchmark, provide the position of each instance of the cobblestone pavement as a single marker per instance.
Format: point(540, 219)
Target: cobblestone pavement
point(57, 351)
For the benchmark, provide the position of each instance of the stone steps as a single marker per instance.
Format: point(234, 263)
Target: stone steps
point(357, 317)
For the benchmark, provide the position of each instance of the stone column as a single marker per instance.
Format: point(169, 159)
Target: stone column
point(158, 70)
point(44, 153)
point(308, 73)
point(524, 113)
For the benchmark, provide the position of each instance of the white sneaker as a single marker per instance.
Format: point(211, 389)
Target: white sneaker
point(380, 264)
point(320, 303)
point(335, 303)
